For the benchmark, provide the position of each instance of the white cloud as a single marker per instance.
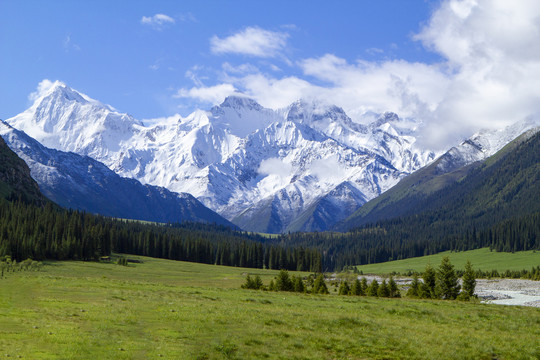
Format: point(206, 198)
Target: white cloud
point(328, 169)
point(275, 166)
point(157, 21)
point(251, 41)
point(42, 88)
point(488, 75)
point(493, 51)
point(162, 120)
point(211, 94)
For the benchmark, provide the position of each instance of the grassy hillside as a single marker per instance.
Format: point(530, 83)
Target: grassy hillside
point(482, 259)
point(176, 310)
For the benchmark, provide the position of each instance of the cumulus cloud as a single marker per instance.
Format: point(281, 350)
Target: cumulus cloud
point(493, 51)
point(252, 41)
point(487, 77)
point(157, 21)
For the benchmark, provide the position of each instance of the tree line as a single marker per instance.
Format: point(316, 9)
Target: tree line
point(440, 283)
point(416, 236)
point(47, 232)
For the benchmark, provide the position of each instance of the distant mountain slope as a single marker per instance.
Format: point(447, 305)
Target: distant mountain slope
point(258, 167)
point(504, 185)
point(496, 204)
point(82, 183)
point(15, 180)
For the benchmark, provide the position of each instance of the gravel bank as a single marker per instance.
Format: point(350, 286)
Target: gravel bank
point(509, 291)
point(494, 291)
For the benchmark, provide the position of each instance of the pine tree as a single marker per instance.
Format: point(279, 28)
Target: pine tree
point(344, 288)
point(319, 286)
point(427, 290)
point(469, 282)
point(447, 281)
point(298, 284)
point(283, 281)
point(383, 290)
point(414, 291)
point(249, 284)
point(373, 288)
point(356, 289)
point(363, 286)
point(393, 288)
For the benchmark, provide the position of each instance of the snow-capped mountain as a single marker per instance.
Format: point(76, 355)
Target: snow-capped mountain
point(80, 182)
point(266, 170)
point(483, 144)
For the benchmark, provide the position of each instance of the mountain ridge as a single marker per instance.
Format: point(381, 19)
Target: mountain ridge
point(246, 162)
point(82, 183)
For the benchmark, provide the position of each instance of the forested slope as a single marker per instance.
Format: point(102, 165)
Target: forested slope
point(496, 204)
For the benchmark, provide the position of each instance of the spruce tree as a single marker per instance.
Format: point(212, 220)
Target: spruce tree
point(344, 288)
point(383, 290)
point(272, 286)
point(428, 287)
point(298, 284)
point(414, 291)
point(319, 286)
point(363, 286)
point(373, 288)
point(393, 288)
point(356, 289)
point(258, 282)
point(249, 284)
point(283, 281)
point(469, 282)
point(447, 281)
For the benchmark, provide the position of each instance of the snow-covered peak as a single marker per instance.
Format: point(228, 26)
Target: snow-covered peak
point(242, 116)
point(304, 111)
point(65, 119)
point(240, 103)
point(485, 143)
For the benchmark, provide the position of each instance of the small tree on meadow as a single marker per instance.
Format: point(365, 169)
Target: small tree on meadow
point(414, 291)
point(356, 288)
point(319, 286)
point(469, 282)
point(283, 281)
point(393, 288)
point(344, 288)
point(373, 288)
point(258, 282)
point(364, 286)
point(298, 284)
point(249, 284)
point(383, 290)
point(427, 290)
point(272, 286)
point(447, 280)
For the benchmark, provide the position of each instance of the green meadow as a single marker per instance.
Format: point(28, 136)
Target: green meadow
point(162, 309)
point(482, 259)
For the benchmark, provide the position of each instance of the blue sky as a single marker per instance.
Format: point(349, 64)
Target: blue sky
point(103, 48)
point(458, 65)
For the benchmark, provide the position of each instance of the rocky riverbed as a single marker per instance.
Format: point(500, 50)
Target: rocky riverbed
point(494, 291)
point(509, 291)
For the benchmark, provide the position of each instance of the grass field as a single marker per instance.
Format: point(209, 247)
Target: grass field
point(482, 259)
point(176, 310)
